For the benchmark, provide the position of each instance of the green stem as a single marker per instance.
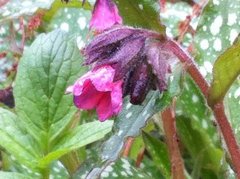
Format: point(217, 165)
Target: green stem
point(45, 173)
point(71, 162)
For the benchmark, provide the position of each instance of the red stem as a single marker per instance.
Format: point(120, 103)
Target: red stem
point(140, 157)
point(218, 109)
point(169, 125)
point(128, 145)
point(228, 135)
point(185, 25)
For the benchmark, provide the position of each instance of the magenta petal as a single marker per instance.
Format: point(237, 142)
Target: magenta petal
point(105, 15)
point(102, 78)
point(89, 97)
point(96, 89)
point(79, 84)
point(104, 107)
point(116, 97)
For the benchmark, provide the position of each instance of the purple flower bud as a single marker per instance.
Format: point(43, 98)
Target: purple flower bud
point(138, 57)
point(160, 60)
point(141, 83)
point(104, 15)
point(6, 97)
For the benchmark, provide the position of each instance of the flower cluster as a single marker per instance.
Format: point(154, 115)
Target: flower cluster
point(137, 55)
point(125, 61)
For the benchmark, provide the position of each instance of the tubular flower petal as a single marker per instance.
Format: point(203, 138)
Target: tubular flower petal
point(138, 57)
point(104, 15)
point(96, 90)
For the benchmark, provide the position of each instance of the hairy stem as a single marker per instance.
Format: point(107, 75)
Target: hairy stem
point(169, 125)
point(229, 137)
point(218, 108)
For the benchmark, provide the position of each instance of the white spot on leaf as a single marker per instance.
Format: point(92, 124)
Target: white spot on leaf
point(208, 66)
point(237, 93)
point(140, 6)
point(203, 71)
point(195, 98)
point(64, 26)
point(82, 22)
point(204, 44)
point(216, 25)
point(129, 115)
point(232, 19)
point(217, 45)
point(233, 35)
point(216, 2)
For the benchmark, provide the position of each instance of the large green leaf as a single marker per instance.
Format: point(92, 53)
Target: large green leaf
point(141, 13)
point(225, 71)
point(217, 29)
point(16, 8)
point(76, 138)
point(47, 68)
point(121, 169)
point(159, 154)
point(205, 155)
point(72, 20)
point(13, 175)
point(192, 104)
point(15, 140)
point(58, 6)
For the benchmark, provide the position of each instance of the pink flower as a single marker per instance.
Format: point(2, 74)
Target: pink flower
point(96, 90)
point(105, 14)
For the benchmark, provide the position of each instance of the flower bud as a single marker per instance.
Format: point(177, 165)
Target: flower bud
point(104, 15)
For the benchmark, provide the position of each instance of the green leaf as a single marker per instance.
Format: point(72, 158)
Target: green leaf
point(129, 123)
point(58, 6)
point(13, 175)
point(158, 152)
point(47, 68)
point(199, 145)
point(141, 13)
point(225, 71)
point(76, 138)
point(17, 8)
point(15, 140)
point(217, 29)
point(121, 169)
point(232, 107)
point(192, 104)
point(74, 20)
point(57, 170)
